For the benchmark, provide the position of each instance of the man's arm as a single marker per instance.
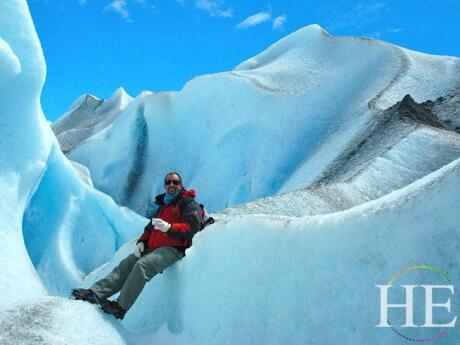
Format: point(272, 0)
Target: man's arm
point(189, 209)
point(152, 210)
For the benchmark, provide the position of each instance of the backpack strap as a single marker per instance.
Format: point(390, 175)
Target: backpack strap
point(189, 211)
point(205, 218)
point(183, 203)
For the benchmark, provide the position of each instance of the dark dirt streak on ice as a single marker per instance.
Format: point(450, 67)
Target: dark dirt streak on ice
point(352, 161)
point(258, 84)
point(392, 126)
point(401, 73)
point(138, 167)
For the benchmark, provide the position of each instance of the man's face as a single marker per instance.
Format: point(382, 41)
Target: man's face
point(173, 184)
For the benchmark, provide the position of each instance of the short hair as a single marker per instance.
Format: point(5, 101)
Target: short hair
point(173, 173)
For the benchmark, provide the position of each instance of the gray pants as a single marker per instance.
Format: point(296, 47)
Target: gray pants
point(132, 273)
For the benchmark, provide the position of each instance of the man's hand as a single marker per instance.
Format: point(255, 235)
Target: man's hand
point(139, 249)
point(160, 224)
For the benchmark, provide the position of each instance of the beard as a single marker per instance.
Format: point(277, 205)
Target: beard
point(172, 189)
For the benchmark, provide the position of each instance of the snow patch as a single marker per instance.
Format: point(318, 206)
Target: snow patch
point(10, 66)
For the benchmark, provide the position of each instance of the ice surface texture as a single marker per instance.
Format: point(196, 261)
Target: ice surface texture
point(276, 123)
point(50, 220)
point(300, 115)
point(48, 217)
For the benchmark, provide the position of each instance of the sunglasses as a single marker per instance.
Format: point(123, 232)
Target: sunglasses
point(174, 182)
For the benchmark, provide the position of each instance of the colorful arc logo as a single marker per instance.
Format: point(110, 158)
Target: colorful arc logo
point(435, 270)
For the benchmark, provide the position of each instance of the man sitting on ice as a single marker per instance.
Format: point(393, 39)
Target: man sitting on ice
point(175, 219)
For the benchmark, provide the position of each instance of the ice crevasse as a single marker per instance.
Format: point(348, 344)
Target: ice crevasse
point(250, 279)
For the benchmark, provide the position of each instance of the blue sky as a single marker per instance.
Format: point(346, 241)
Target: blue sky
point(96, 46)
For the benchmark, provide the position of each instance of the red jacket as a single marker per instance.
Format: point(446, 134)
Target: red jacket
point(183, 215)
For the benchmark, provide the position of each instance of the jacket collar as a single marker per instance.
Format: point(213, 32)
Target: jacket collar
point(160, 198)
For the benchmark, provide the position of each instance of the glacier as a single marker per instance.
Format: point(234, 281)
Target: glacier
point(324, 177)
point(276, 123)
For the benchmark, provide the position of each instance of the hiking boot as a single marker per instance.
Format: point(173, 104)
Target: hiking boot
point(112, 307)
point(85, 295)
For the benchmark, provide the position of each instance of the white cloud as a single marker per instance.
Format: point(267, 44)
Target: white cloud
point(395, 30)
point(214, 8)
point(359, 16)
point(253, 20)
point(278, 22)
point(82, 2)
point(119, 6)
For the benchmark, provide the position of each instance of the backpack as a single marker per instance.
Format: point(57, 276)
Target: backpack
point(206, 219)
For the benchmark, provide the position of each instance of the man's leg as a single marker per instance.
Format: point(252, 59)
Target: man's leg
point(113, 282)
point(144, 270)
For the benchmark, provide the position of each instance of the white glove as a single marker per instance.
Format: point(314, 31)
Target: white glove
point(139, 249)
point(160, 224)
